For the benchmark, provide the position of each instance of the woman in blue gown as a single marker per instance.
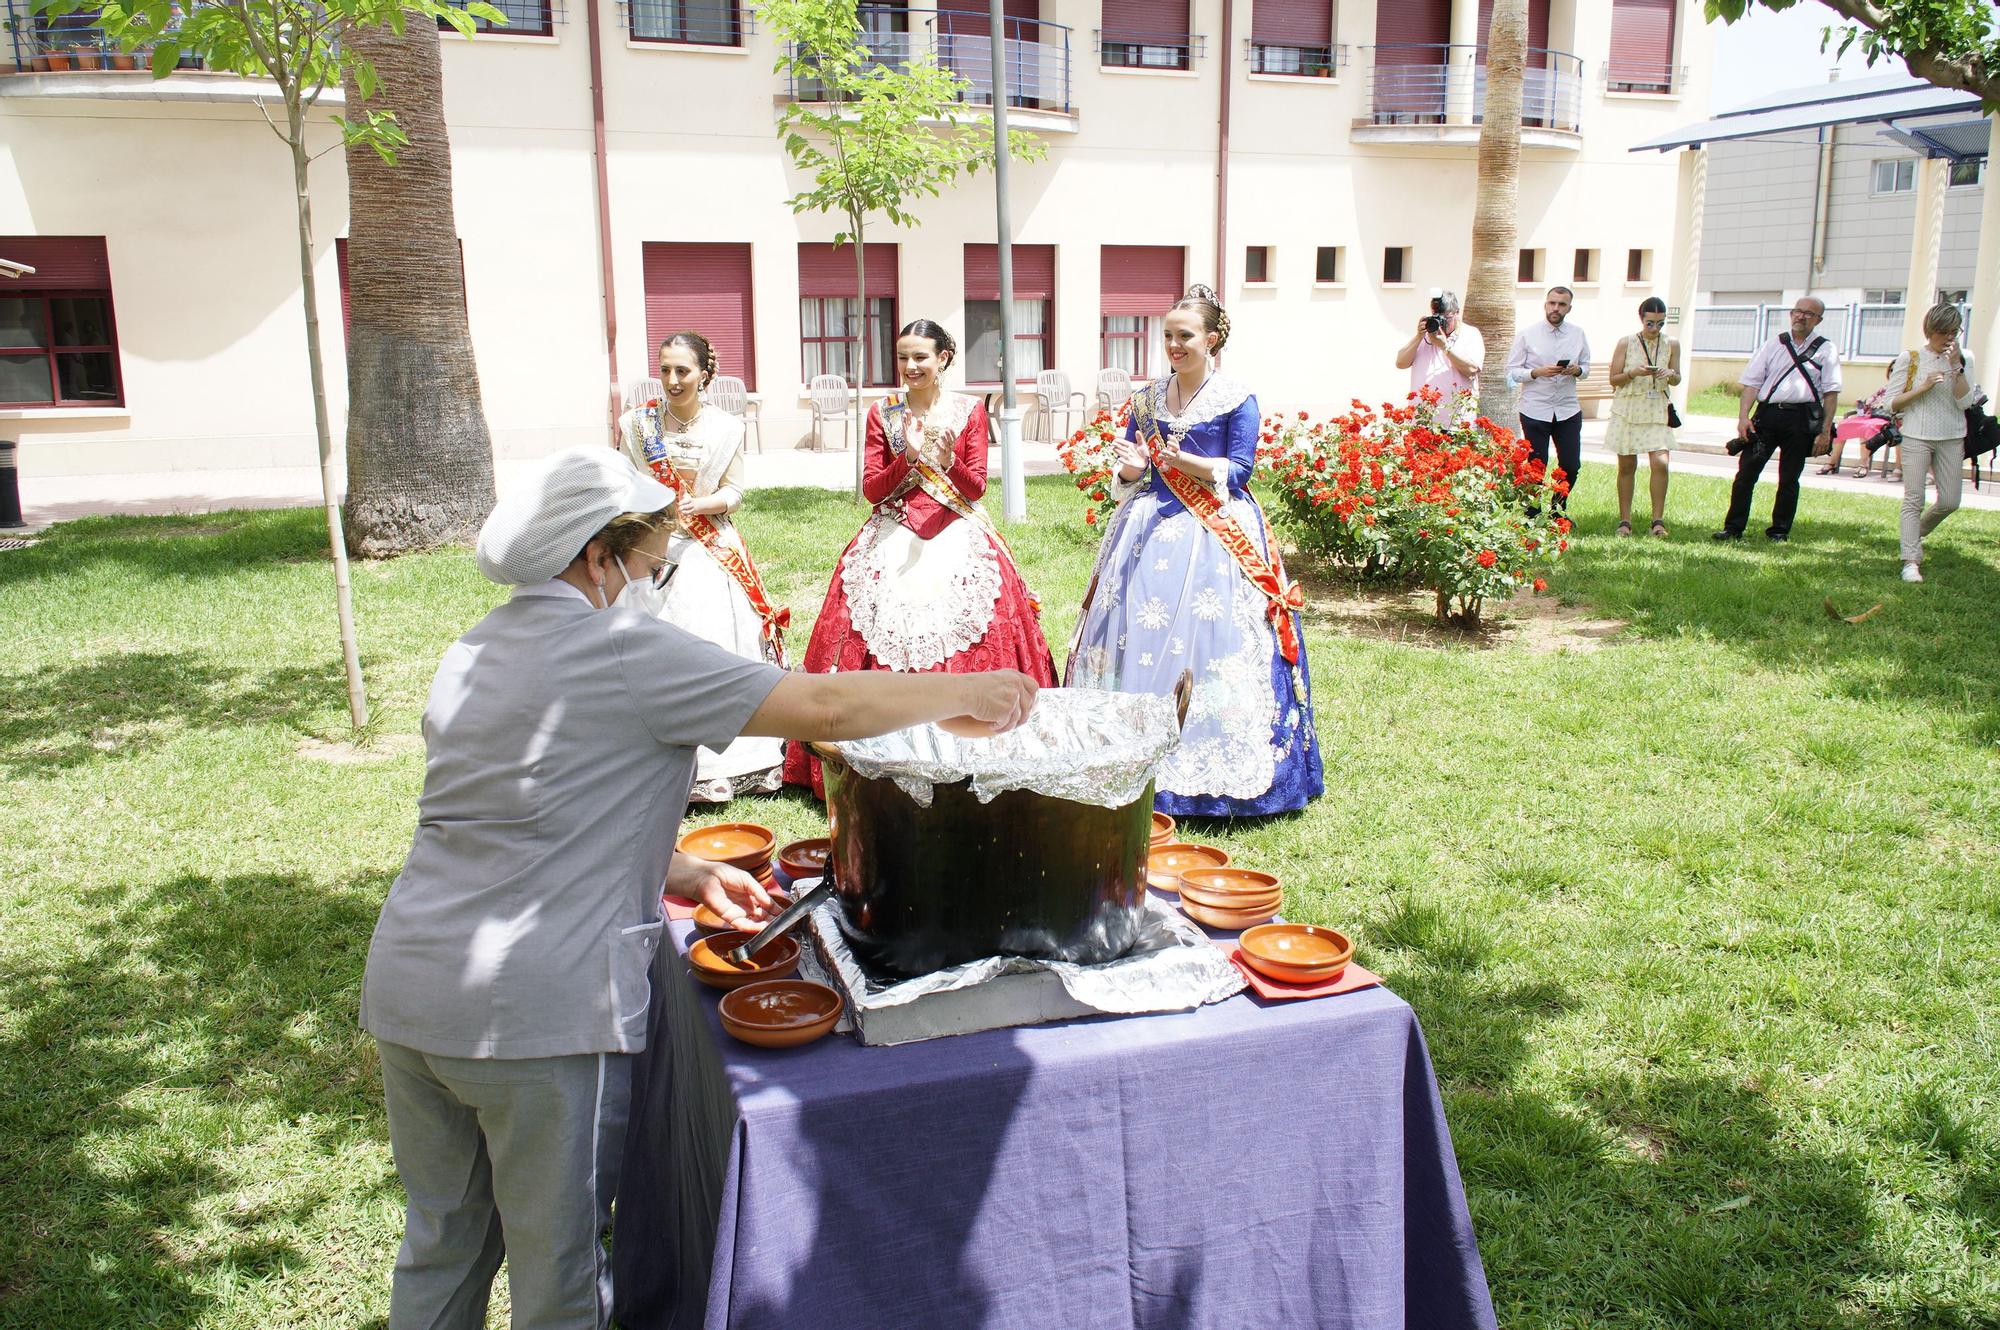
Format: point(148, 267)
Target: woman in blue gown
point(1169, 595)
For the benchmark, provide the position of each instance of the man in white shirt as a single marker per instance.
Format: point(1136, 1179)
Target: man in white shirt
point(1794, 379)
point(1545, 363)
point(1445, 354)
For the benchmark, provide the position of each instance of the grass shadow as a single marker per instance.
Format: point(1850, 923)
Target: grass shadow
point(169, 549)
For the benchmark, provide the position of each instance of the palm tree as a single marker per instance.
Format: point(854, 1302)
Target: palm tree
point(1489, 288)
point(419, 457)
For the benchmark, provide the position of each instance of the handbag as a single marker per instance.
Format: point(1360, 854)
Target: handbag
point(1673, 416)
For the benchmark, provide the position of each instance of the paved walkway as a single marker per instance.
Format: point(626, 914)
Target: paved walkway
point(60, 499)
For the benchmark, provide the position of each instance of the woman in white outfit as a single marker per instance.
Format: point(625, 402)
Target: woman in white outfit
point(1932, 386)
point(715, 591)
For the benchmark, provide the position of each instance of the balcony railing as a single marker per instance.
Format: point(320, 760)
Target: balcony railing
point(1322, 62)
point(1036, 54)
point(44, 43)
point(525, 18)
point(717, 23)
point(1863, 332)
point(1133, 48)
point(1430, 84)
point(1630, 76)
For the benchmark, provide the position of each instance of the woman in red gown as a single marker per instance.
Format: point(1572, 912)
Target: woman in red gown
point(928, 585)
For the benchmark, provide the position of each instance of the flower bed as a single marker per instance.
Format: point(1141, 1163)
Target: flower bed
point(1087, 456)
point(1402, 493)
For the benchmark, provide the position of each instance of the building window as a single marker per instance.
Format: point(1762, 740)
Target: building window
point(1966, 174)
point(525, 18)
point(1638, 265)
point(1330, 264)
point(1129, 342)
point(1258, 265)
point(1584, 271)
point(1396, 265)
point(58, 348)
point(1530, 269)
point(1882, 295)
point(1292, 37)
point(1896, 175)
point(1954, 296)
point(693, 22)
point(705, 288)
point(827, 327)
point(1032, 323)
point(1137, 285)
point(1642, 46)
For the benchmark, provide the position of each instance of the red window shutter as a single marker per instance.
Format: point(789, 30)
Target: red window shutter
point(1153, 18)
point(1402, 27)
point(61, 263)
point(1642, 42)
point(1292, 22)
point(828, 270)
point(704, 289)
point(346, 306)
point(1034, 272)
point(1141, 279)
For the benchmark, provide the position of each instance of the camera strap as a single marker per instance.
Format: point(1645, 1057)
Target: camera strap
point(1802, 362)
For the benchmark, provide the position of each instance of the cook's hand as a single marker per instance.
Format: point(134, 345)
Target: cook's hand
point(732, 893)
point(994, 704)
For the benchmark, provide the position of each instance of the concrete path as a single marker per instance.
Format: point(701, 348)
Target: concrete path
point(60, 499)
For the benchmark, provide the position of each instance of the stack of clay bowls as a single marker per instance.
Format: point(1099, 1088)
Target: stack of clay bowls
point(1163, 830)
point(1165, 863)
point(1296, 953)
point(1229, 898)
point(743, 845)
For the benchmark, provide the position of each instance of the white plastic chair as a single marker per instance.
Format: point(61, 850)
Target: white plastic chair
point(1114, 388)
point(727, 392)
point(641, 391)
point(1055, 397)
point(830, 401)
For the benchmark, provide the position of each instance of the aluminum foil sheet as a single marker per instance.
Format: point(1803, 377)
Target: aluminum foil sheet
point(1173, 967)
point(1086, 745)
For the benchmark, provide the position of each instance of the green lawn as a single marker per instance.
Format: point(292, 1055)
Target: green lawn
point(1713, 400)
point(1702, 924)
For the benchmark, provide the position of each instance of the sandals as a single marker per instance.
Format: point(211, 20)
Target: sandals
point(1833, 470)
point(1659, 528)
point(1624, 528)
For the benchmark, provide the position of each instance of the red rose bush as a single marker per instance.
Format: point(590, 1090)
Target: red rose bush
point(1400, 493)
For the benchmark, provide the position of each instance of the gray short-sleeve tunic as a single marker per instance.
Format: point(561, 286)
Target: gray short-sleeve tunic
point(561, 741)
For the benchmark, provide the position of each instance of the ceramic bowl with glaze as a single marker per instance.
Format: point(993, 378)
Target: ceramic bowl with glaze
point(1297, 953)
point(1163, 830)
point(1227, 920)
point(805, 858)
point(1193, 894)
point(744, 845)
point(709, 959)
point(1166, 863)
point(780, 1013)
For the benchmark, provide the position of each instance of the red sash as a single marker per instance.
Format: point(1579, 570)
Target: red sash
point(1284, 595)
point(735, 562)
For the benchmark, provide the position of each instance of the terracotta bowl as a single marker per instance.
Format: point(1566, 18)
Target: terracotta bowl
point(1297, 953)
point(1230, 900)
point(709, 958)
point(708, 921)
point(1227, 920)
point(1230, 881)
point(806, 858)
point(1166, 863)
point(780, 1013)
point(1163, 830)
point(742, 844)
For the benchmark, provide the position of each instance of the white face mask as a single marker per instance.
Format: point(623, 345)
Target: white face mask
point(639, 593)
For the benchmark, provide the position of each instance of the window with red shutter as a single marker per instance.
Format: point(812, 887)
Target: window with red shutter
point(702, 288)
point(58, 339)
point(1137, 284)
point(1146, 34)
point(1292, 37)
point(1033, 311)
point(1642, 46)
point(829, 318)
point(689, 22)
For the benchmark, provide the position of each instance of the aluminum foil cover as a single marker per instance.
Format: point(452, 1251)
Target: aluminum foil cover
point(1086, 745)
point(1172, 967)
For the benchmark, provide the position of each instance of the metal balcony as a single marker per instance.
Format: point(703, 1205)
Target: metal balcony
point(1429, 84)
point(1037, 54)
point(56, 44)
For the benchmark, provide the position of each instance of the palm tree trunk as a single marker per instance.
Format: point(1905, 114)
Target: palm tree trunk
point(419, 457)
point(1489, 287)
point(343, 589)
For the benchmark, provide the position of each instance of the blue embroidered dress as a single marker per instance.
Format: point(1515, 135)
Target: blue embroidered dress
point(1167, 597)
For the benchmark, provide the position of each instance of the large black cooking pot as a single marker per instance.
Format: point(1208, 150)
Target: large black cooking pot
point(1022, 874)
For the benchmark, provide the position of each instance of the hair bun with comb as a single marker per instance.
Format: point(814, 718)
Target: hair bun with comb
point(1214, 318)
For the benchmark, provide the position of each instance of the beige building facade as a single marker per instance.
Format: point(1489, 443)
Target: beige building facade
point(1347, 192)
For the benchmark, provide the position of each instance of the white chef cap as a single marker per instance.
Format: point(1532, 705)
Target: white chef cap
point(548, 516)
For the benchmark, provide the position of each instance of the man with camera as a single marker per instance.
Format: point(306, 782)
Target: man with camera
point(1545, 362)
point(1445, 354)
point(1794, 379)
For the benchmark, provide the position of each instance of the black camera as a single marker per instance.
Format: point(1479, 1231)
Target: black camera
point(1736, 446)
point(1434, 321)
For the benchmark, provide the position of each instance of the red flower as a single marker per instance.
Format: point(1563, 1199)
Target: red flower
point(1562, 546)
point(1487, 558)
point(1090, 518)
point(1541, 584)
point(1303, 416)
point(1563, 525)
point(1369, 520)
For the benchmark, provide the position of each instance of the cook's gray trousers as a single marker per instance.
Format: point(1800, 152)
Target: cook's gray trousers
point(505, 1156)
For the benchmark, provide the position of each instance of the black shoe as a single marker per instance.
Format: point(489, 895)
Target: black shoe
point(1726, 535)
point(1777, 535)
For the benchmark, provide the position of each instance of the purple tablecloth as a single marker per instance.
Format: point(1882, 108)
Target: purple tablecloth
point(1251, 1163)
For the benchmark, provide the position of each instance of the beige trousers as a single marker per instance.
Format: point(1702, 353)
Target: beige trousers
point(1946, 459)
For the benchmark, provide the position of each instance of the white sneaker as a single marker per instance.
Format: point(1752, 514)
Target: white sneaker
point(1912, 573)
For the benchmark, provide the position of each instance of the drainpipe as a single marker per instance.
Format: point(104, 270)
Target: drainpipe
point(601, 168)
point(1822, 205)
point(1222, 157)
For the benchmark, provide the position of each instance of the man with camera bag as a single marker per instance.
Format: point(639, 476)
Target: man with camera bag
point(1445, 354)
point(1795, 381)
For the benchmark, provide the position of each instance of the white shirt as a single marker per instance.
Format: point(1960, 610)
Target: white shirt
point(1772, 365)
point(560, 741)
point(1552, 398)
point(1432, 368)
point(1935, 414)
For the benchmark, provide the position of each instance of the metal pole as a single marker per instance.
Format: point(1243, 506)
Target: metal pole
point(1013, 492)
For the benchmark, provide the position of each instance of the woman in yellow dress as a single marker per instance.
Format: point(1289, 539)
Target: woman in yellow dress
point(1645, 365)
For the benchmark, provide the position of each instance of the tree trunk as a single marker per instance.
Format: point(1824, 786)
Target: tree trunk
point(1489, 287)
point(860, 353)
point(419, 457)
point(343, 590)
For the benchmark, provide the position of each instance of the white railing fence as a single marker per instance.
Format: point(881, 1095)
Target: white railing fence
point(1859, 332)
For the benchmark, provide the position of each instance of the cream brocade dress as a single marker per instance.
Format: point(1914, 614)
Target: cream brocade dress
point(701, 597)
point(1639, 408)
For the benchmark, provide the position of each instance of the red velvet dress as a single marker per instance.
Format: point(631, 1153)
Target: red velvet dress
point(922, 589)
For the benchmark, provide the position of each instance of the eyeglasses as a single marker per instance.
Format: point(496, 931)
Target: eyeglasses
point(658, 577)
point(1814, 315)
point(1654, 323)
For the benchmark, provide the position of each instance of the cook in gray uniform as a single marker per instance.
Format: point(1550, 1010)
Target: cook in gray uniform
point(507, 982)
